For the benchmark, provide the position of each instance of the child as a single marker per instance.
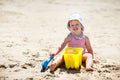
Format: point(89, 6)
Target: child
point(75, 38)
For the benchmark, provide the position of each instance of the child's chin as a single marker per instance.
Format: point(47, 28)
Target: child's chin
point(76, 32)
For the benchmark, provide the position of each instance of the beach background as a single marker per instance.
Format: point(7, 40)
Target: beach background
point(31, 29)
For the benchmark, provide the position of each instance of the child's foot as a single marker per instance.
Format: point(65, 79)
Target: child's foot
point(52, 67)
point(89, 69)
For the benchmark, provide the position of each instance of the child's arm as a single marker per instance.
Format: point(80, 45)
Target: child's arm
point(88, 46)
point(61, 47)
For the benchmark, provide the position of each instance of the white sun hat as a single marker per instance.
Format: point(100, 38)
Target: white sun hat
point(75, 17)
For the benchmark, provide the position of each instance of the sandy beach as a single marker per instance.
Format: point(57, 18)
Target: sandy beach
point(31, 29)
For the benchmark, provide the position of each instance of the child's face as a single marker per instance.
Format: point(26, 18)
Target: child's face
point(75, 27)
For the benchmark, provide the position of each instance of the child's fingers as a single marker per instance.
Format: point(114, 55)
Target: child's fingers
point(95, 61)
point(52, 54)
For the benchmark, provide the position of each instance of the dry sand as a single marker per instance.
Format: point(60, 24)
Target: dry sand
point(30, 29)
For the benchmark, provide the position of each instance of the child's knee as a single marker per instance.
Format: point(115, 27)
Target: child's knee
point(89, 55)
point(60, 59)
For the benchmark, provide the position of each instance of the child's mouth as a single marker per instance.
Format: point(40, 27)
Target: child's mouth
point(75, 29)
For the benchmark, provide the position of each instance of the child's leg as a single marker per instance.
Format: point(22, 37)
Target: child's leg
point(87, 58)
point(57, 63)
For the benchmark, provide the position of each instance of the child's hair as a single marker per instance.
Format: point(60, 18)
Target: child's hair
point(75, 17)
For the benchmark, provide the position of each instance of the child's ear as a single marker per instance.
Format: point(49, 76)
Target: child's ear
point(82, 28)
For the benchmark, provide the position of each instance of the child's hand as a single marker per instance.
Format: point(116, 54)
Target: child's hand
point(53, 54)
point(95, 61)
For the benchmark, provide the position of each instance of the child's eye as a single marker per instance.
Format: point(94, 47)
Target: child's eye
point(75, 25)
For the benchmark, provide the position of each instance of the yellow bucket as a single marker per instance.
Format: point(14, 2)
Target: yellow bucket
point(73, 57)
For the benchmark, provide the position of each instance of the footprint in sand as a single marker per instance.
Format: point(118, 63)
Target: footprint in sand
point(12, 65)
point(116, 68)
point(112, 67)
point(27, 65)
point(29, 79)
point(3, 78)
point(108, 66)
point(26, 52)
point(3, 66)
